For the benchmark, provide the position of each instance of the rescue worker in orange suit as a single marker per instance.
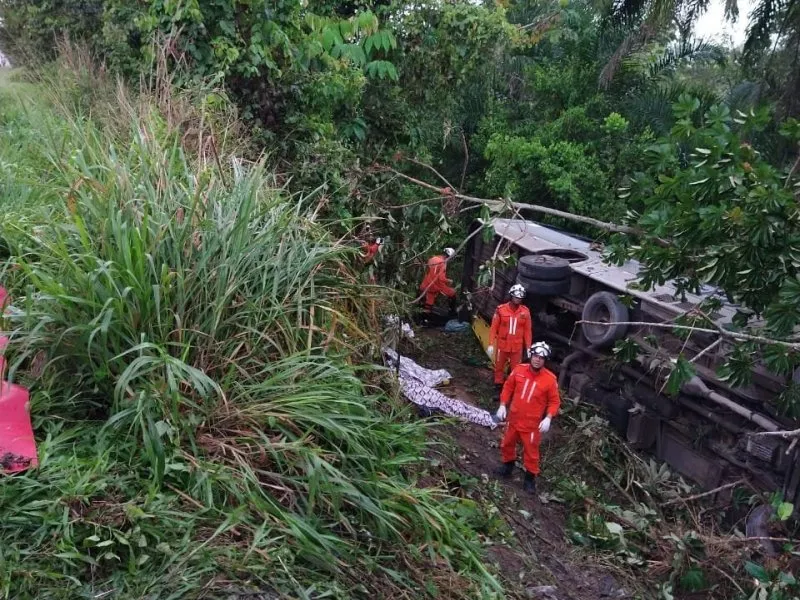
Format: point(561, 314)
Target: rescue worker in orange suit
point(512, 330)
point(436, 282)
point(533, 392)
point(370, 250)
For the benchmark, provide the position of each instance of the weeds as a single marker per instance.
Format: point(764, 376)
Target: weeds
point(629, 512)
point(201, 425)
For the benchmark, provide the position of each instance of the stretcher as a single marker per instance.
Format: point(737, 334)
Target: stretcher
point(482, 331)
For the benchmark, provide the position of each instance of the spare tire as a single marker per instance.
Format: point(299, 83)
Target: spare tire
point(604, 307)
point(544, 267)
point(543, 287)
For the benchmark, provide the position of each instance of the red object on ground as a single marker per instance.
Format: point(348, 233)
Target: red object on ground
point(17, 445)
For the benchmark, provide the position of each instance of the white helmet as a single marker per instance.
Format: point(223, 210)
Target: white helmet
point(379, 241)
point(517, 291)
point(449, 252)
point(540, 349)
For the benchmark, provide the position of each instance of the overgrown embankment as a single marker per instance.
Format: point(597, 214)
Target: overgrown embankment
point(191, 334)
point(607, 522)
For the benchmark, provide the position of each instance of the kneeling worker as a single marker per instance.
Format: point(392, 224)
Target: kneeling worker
point(511, 331)
point(533, 393)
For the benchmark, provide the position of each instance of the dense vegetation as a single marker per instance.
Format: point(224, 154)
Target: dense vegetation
point(194, 325)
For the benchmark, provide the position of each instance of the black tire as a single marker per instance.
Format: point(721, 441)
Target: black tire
point(604, 307)
point(543, 267)
point(541, 287)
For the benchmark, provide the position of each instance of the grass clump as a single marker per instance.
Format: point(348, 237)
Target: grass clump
point(188, 331)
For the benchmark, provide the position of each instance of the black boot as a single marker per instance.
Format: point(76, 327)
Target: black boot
point(505, 470)
point(529, 484)
point(453, 307)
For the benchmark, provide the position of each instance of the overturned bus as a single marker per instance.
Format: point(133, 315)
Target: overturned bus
point(585, 306)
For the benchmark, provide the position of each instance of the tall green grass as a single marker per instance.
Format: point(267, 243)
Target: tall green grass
point(191, 335)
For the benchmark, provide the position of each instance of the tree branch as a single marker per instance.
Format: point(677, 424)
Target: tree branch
point(466, 159)
point(708, 348)
point(433, 170)
point(704, 494)
point(743, 337)
point(794, 433)
point(610, 227)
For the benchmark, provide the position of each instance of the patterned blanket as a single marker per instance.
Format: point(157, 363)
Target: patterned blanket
point(417, 385)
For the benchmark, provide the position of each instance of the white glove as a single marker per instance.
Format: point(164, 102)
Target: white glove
point(490, 351)
point(501, 413)
point(544, 426)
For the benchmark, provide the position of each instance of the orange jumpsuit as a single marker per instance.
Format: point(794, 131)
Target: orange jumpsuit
point(512, 330)
point(436, 282)
point(533, 395)
point(370, 250)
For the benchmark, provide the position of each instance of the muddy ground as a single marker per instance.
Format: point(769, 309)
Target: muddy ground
point(536, 560)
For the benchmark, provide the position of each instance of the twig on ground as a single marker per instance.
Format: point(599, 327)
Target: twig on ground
point(622, 491)
point(705, 494)
point(728, 577)
point(738, 540)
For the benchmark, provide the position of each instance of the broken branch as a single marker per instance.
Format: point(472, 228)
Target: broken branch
point(546, 210)
point(794, 433)
point(704, 494)
point(745, 337)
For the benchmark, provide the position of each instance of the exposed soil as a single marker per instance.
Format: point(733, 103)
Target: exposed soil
point(538, 555)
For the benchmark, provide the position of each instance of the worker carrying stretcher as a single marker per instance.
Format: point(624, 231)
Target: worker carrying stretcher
point(512, 330)
point(532, 391)
point(436, 282)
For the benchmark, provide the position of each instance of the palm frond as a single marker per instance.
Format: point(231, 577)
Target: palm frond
point(630, 44)
point(763, 22)
point(731, 10)
point(685, 50)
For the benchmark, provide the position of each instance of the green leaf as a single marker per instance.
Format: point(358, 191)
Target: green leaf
point(693, 580)
point(614, 528)
point(757, 571)
point(372, 41)
point(682, 372)
point(785, 510)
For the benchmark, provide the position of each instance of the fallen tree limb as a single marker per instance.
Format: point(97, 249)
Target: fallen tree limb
point(733, 540)
point(704, 494)
point(794, 433)
point(546, 210)
point(743, 337)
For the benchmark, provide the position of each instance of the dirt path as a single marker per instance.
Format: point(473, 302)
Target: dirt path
point(537, 561)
